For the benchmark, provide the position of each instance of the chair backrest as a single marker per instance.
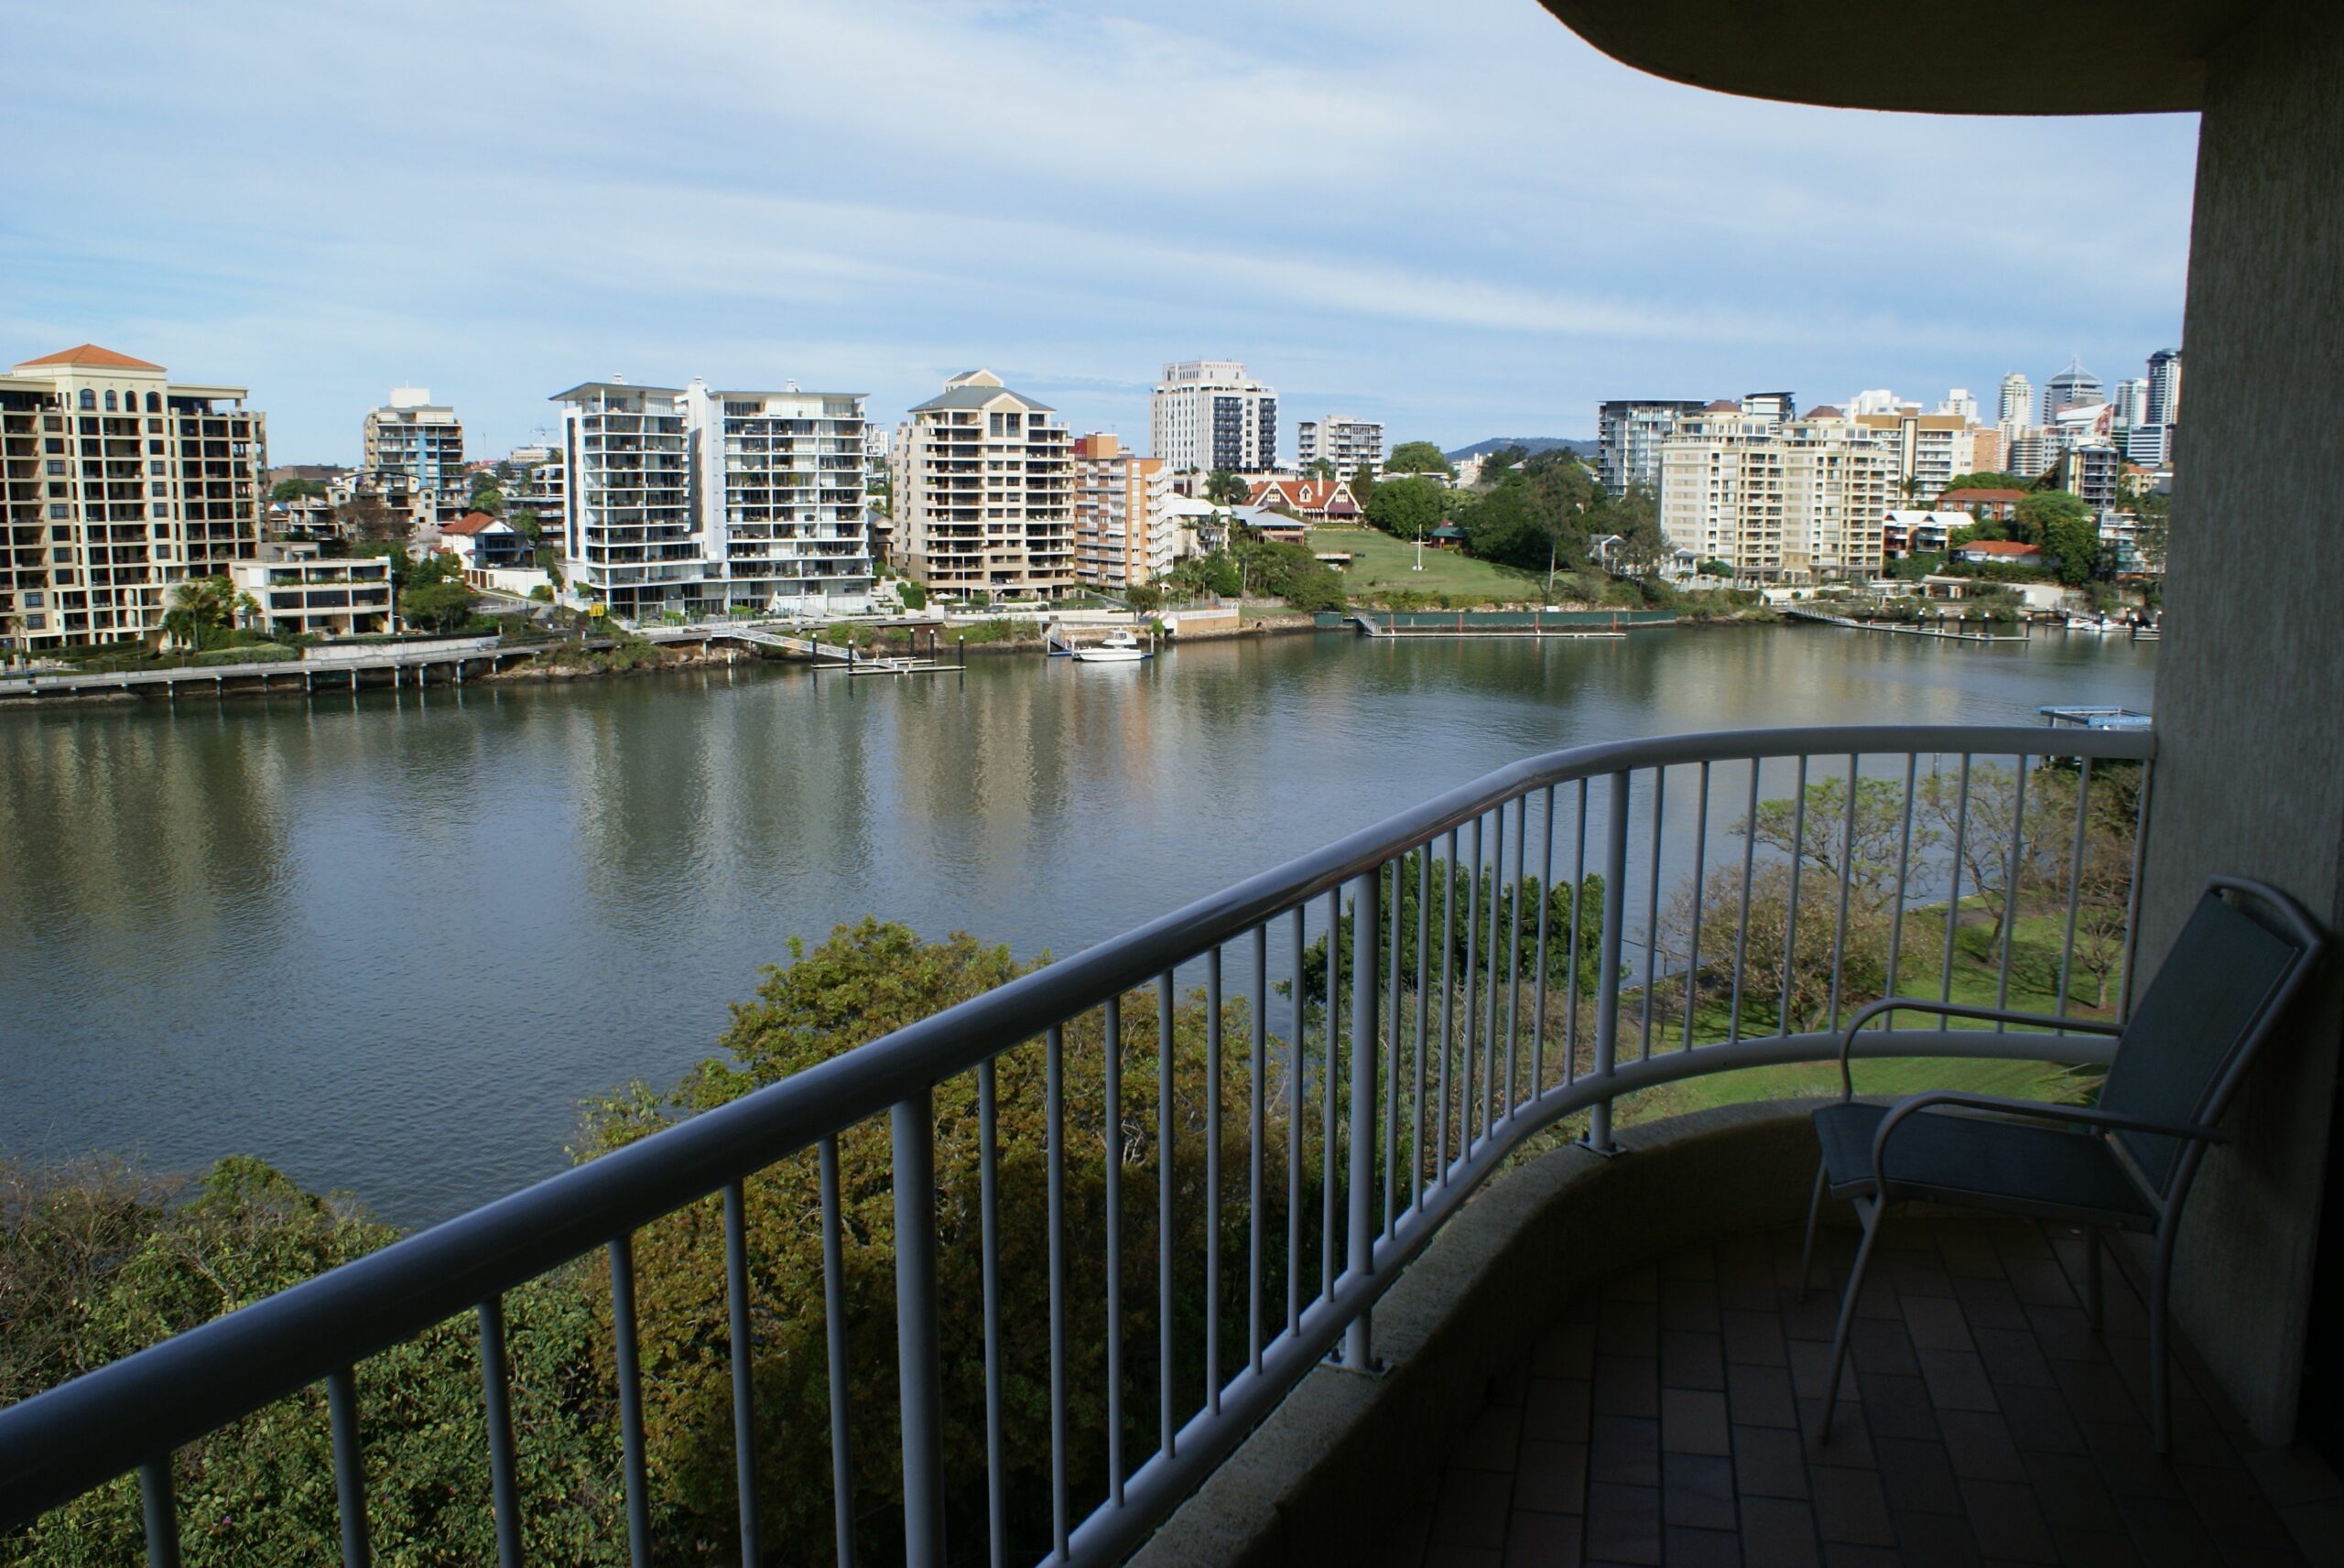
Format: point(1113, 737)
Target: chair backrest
point(2222, 986)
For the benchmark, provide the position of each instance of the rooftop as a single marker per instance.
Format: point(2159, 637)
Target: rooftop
point(89, 355)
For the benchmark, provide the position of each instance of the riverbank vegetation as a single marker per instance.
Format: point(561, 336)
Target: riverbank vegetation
point(97, 1260)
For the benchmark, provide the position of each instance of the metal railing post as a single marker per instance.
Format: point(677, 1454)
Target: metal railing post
point(917, 1352)
point(1359, 1335)
point(1607, 991)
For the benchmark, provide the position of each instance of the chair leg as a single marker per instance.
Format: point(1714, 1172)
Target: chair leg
point(2161, 1355)
point(2092, 1297)
point(1848, 1310)
point(1814, 1215)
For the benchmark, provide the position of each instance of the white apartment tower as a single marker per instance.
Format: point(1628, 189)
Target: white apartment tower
point(983, 486)
point(413, 451)
point(116, 485)
point(698, 502)
point(1628, 433)
point(2016, 409)
point(1209, 415)
point(2165, 387)
point(1349, 444)
point(1787, 500)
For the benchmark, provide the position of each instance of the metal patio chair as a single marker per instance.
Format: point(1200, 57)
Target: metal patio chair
point(2126, 1163)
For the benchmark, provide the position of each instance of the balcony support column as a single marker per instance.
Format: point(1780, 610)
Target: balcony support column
point(2251, 680)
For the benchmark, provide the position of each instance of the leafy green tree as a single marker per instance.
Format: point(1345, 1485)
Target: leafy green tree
point(296, 490)
point(1363, 483)
point(1143, 597)
point(1218, 575)
point(914, 594)
point(204, 610)
point(2064, 527)
point(1320, 469)
point(1407, 508)
point(97, 1262)
point(1291, 572)
point(1418, 457)
point(1448, 900)
point(1223, 488)
point(1990, 478)
point(864, 980)
point(525, 523)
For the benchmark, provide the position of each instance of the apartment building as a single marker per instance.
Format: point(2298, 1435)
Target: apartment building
point(116, 484)
point(696, 502)
point(1209, 415)
point(541, 485)
point(984, 490)
point(1123, 535)
point(1930, 448)
point(1628, 433)
point(412, 457)
point(2017, 402)
point(1780, 500)
point(2165, 387)
point(2074, 388)
point(1349, 444)
point(298, 594)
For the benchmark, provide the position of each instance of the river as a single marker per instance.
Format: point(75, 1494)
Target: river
point(388, 943)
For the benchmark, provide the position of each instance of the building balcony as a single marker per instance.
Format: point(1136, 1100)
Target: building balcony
point(1605, 1350)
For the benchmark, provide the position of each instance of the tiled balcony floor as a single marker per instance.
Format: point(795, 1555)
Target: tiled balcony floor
point(1670, 1417)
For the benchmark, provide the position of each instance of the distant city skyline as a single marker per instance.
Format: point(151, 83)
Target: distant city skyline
point(389, 221)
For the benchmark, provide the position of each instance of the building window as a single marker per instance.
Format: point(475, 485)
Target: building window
point(110, 401)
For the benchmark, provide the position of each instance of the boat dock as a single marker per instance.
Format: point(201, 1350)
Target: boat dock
point(1900, 628)
point(341, 669)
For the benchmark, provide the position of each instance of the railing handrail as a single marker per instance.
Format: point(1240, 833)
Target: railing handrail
point(85, 1431)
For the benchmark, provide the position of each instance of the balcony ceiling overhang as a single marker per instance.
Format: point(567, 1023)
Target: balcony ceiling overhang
point(1992, 57)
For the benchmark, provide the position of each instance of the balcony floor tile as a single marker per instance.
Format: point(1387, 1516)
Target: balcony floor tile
point(1670, 1418)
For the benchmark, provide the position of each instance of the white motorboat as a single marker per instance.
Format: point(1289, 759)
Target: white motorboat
point(1117, 647)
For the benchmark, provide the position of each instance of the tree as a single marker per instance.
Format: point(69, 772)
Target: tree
point(1223, 488)
point(204, 610)
point(863, 981)
point(1989, 479)
point(1362, 483)
point(1322, 469)
point(367, 518)
point(1143, 597)
point(1217, 576)
point(97, 1262)
point(2063, 527)
point(2154, 533)
point(296, 490)
point(1418, 457)
point(1407, 508)
point(1879, 853)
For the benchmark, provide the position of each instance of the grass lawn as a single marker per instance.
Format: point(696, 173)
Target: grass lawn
point(1385, 562)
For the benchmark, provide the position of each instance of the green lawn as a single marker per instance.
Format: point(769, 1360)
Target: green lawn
point(1385, 562)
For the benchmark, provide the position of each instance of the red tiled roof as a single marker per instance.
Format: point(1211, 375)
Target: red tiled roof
point(2001, 547)
point(1982, 494)
point(1825, 412)
point(1723, 405)
point(90, 354)
point(470, 523)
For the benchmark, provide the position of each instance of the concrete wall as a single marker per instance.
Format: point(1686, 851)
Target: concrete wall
point(2250, 696)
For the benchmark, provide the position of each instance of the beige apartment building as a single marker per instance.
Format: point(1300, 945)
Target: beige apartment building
point(298, 594)
point(1121, 537)
point(116, 484)
point(414, 456)
point(983, 482)
point(1930, 448)
point(1781, 500)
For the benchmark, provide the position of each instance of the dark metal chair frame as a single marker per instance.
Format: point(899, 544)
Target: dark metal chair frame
point(2161, 1201)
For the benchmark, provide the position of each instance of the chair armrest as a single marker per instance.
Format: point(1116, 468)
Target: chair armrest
point(1951, 1010)
point(2034, 1109)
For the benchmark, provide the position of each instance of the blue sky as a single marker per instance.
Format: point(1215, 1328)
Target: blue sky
point(1456, 217)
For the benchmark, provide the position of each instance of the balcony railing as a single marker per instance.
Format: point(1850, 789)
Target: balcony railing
point(1370, 1029)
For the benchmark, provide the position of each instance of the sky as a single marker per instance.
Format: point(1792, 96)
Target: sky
point(1454, 217)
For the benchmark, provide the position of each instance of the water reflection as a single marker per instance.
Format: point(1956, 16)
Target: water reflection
point(387, 941)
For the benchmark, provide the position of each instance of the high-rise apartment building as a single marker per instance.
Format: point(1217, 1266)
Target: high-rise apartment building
point(413, 454)
point(2015, 408)
point(2032, 450)
point(1209, 415)
point(2130, 401)
point(1930, 448)
point(1778, 407)
point(1628, 433)
point(2165, 387)
point(694, 502)
point(1790, 501)
point(984, 492)
point(1122, 536)
point(2089, 470)
point(2074, 388)
point(1349, 444)
point(1959, 403)
point(116, 485)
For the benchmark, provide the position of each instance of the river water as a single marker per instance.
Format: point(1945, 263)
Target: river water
point(389, 942)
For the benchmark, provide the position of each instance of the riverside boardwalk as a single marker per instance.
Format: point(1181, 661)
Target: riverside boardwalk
point(342, 669)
